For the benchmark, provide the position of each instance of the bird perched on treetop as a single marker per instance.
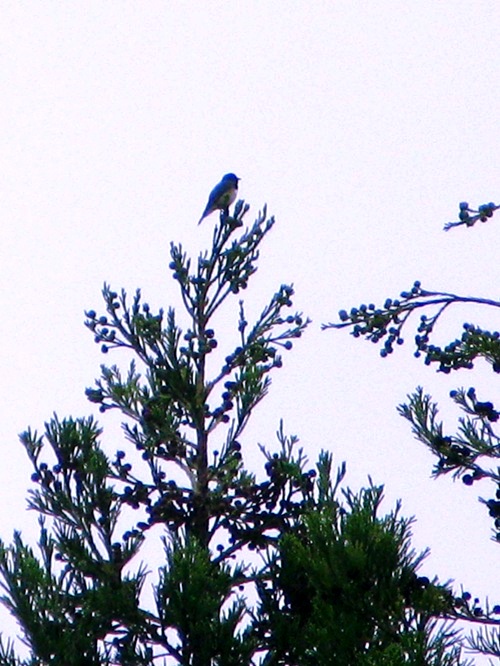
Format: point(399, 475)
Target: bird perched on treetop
point(222, 196)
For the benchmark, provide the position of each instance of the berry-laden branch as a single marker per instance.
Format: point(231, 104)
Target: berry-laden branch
point(386, 324)
point(483, 213)
point(472, 455)
point(175, 408)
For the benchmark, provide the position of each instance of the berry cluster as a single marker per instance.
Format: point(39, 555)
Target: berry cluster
point(385, 323)
point(459, 353)
point(469, 216)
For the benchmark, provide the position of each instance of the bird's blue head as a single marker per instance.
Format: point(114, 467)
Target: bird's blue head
point(231, 179)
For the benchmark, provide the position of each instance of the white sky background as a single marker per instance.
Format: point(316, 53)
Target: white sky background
point(361, 124)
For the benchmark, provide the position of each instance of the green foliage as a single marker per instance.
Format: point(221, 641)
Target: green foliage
point(473, 452)
point(465, 453)
point(345, 590)
point(194, 595)
point(268, 568)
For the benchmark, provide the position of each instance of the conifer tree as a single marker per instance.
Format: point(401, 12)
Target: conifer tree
point(168, 549)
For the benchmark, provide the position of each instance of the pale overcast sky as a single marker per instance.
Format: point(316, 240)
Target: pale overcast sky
point(362, 124)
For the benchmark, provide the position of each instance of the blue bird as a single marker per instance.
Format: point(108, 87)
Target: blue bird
point(222, 196)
